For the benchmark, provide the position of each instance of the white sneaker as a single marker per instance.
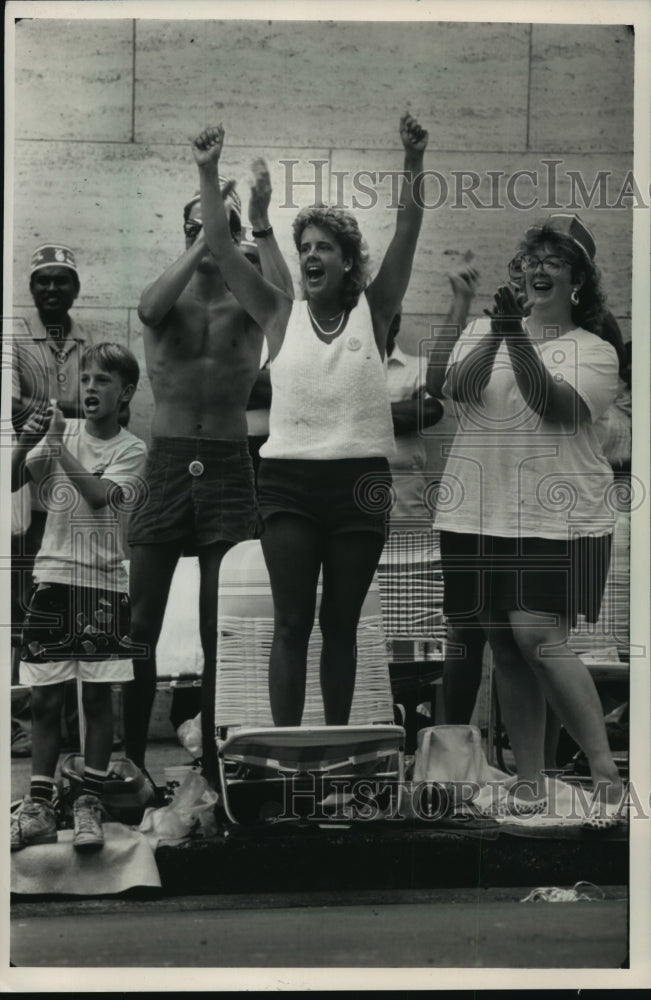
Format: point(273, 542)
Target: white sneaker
point(88, 835)
point(32, 823)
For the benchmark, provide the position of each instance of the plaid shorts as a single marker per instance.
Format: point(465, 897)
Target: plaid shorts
point(411, 585)
point(76, 623)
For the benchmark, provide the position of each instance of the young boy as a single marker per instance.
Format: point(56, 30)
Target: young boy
point(78, 620)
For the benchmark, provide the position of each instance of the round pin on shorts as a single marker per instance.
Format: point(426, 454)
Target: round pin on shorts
point(353, 343)
point(195, 468)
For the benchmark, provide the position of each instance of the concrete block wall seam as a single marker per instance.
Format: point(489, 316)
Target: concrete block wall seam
point(107, 132)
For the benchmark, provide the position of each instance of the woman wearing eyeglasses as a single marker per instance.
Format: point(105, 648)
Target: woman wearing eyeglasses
point(524, 510)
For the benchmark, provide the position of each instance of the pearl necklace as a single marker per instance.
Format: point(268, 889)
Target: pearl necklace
point(328, 333)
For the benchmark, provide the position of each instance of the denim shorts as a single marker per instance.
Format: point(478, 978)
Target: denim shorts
point(199, 491)
point(340, 495)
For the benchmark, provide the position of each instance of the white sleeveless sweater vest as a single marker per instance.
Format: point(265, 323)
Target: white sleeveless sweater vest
point(329, 401)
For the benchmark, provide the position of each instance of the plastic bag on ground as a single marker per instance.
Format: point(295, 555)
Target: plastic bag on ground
point(189, 736)
point(191, 813)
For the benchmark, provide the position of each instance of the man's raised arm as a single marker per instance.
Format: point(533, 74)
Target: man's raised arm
point(159, 298)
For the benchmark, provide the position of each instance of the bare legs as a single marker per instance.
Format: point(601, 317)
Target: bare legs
point(294, 550)
point(210, 558)
point(152, 569)
point(462, 670)
point(534, 665)
point(571, 693)
point(150, 576)
point(47, 701)
point(98, 709)
point(349, 562)
point(521, 699)
point(462, 673)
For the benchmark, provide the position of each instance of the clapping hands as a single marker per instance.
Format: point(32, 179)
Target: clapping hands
point(260, 196)
point(464, 278)
point(506, 315)
point(37, 425)
point(57, 422)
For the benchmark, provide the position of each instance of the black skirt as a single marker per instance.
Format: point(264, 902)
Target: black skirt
point(489, 574)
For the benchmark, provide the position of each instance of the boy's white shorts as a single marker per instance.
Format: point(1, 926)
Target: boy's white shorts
point(54, 672)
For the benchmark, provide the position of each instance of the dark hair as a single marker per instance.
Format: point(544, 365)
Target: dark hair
point(611, 333)
point(113, 358)
point(343, 226)
point(591, 312)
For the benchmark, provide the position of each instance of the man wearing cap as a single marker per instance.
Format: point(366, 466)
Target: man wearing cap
point(203, 354)
point(46, 349)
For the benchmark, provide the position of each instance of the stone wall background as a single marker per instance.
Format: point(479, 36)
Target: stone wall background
point(105, 110)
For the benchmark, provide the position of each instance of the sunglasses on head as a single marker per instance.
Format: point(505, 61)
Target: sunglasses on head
point(192, 228)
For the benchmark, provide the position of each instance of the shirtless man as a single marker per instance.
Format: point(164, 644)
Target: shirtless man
point(203, 354)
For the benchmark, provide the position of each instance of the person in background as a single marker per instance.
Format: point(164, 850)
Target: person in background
point(406, 571)
point(463, 646)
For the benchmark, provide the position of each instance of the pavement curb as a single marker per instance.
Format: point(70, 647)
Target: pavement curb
point(393, 857)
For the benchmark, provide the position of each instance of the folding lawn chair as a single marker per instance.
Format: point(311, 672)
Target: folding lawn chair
point(292, 772)
point(179, 656)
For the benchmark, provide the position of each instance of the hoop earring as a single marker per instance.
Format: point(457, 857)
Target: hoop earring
point(574, 297)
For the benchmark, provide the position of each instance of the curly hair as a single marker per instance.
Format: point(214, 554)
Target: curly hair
point(344, 228)
point(589, 312)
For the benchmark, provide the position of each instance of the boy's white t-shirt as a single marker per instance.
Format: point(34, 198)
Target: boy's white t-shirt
point(81, 546)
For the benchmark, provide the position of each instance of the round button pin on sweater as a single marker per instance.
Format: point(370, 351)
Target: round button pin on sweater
point(353, 343)
point(195, 468)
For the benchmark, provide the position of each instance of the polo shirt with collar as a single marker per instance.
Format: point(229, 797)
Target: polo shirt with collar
point(44, 368)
